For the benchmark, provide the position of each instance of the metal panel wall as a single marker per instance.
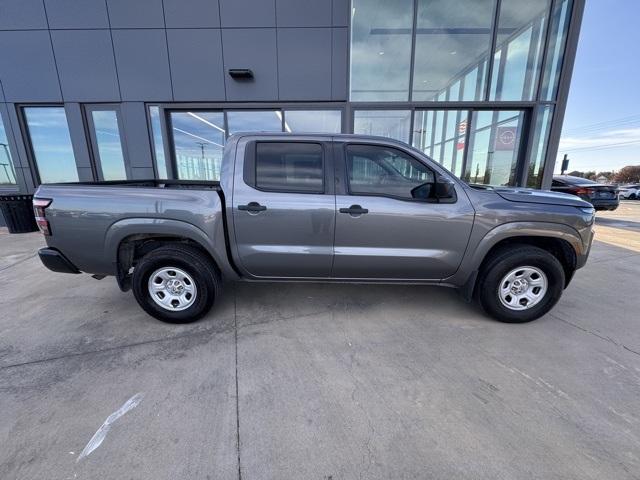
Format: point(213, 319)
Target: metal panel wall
point(86, 65)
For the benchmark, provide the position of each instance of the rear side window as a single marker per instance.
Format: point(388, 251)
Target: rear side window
point(382, 171)
point(289, 167)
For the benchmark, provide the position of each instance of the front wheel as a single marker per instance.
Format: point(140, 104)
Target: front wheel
point(176, 283)
point(520, 284)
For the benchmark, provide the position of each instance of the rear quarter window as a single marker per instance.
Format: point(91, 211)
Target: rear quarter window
point(289, 167)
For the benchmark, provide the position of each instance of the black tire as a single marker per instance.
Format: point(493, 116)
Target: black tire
point(505, 261)
point(193, 262)
point(633, 196)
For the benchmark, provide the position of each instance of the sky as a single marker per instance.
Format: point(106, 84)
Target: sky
point(603, 108)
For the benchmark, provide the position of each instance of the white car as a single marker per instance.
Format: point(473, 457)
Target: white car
point(629, 192)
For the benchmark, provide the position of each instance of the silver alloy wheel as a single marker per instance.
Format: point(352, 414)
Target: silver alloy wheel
point(522, 288)
point(172, 288)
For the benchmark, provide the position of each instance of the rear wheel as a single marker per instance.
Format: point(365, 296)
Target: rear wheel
point(176, 283)
point(520, 284)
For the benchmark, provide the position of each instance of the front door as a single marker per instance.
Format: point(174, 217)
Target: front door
point(389, 223)
point(284, 209)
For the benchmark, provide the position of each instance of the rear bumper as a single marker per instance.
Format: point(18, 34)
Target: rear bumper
point(604, 204)
point(56, 261)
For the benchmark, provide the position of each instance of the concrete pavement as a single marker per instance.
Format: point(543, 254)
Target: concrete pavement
point(318, 381)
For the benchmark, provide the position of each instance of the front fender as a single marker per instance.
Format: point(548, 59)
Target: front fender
point(479, 247)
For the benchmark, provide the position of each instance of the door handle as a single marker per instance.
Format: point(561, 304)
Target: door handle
point(252, 207)
point(354, 210)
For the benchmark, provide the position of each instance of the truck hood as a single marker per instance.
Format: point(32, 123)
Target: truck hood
point(529, 195)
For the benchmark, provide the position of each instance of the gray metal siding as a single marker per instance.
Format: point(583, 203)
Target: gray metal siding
point(136, 13)
point(304, 63)
point(86, 65)
point(28, 70)
point(196, 64)
point(253, 48)
point(22, 15)
point(191, 13)
point(143, 64)
point(135, 136)
point(339, 63)
point(77, 14)
point(247, 13)
point(303, 13)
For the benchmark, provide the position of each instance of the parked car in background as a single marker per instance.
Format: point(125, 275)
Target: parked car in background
point(629, 192)
point(341, 208)
point(601, 196)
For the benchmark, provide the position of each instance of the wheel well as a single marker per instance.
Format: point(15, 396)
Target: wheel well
point(134, 247)
point(561, 249)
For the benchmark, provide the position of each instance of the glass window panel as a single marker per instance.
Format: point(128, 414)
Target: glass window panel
point(454, 92)
point(494, 149)
point(289, 167)
point(322, 121)
point(423, 130)
point(51, 144)
point(517, 57)
point(385, 123)
point(254, 121)
point(453, 149)
point(557, 41)
point(385, 171)
point(198, 139)
point(158, 142)
point(452, 38)
point(7, 169)
point(539, 147)
point(380, 49)
point(107, 135)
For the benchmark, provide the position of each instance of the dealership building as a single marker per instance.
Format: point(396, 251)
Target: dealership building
point(138, 89)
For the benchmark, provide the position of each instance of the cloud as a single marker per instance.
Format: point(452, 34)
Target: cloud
point(600, 139)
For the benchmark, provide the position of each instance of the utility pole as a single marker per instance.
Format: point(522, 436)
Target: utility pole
point(565, 164)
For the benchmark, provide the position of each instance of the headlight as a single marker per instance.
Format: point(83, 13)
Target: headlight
point(588, 210)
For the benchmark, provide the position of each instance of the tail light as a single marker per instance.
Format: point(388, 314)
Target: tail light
point(39, 206)
point(584, 191)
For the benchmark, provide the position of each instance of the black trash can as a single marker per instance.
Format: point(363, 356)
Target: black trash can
point(17, 211)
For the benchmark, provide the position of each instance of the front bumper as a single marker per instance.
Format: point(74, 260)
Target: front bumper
point(56, 261)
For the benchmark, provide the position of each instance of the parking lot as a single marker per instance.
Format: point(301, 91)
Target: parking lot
point(320, 382)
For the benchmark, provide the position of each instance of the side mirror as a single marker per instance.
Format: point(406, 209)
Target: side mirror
point(445, 190)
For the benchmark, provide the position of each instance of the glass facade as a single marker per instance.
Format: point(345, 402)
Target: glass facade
point(474, 84)
point(7, 169)
point(51, 144)
point(480, 54)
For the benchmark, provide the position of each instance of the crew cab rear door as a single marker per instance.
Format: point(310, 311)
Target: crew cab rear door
point(284, 208)
point(389, 223)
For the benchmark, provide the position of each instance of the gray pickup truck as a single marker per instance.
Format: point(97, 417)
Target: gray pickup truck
point(319, 208)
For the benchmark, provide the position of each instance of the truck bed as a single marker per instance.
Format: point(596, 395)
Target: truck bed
point(89, 220)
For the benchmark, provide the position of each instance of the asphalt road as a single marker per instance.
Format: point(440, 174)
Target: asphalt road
point(319, 381)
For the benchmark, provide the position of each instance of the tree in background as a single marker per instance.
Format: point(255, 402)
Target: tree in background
point(628, 174)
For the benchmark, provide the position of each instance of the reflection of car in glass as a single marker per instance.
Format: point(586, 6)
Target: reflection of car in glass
point(336, 208)
point(601, 196)
point(629, 192)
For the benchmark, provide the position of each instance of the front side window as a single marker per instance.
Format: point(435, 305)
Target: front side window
point(387, 172)
point(7, 171)
point(289, 167)
point(51, 144)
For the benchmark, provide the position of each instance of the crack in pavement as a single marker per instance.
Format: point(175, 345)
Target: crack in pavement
point(117, 347)
point(602, 337)
point(7, 267)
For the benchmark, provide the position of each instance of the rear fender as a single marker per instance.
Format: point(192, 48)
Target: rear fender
point(165, 228)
